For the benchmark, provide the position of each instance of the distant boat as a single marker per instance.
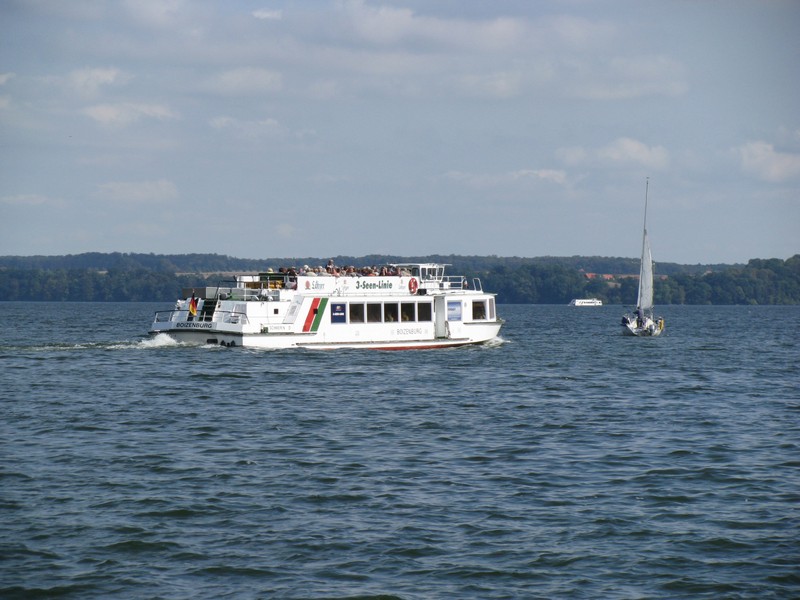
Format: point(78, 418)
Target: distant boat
point(642, 322)
point(586, 302)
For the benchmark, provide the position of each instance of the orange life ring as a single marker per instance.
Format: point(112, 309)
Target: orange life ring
point(412, 285)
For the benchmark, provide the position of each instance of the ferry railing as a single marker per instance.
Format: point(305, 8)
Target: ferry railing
point(448, 282)
point(248, 294)
point(164, 316)
point(224, 316)
point(176, 315)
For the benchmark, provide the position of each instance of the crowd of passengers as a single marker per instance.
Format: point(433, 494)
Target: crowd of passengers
point(335, 271)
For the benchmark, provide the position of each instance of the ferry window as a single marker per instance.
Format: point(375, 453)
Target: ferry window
point(478, 310)
point(454, 310)
point(356, 313)
point(407, 311)
point(390, 312)
point(491, 309)
point(424, 311)
point(374, 313)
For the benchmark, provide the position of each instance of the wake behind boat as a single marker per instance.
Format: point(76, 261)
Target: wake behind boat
point(398, 307)
point(642, 322)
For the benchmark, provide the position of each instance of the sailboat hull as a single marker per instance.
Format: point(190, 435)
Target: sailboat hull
point(644, 328)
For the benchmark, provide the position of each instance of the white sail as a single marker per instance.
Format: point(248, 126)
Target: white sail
point(645, 300)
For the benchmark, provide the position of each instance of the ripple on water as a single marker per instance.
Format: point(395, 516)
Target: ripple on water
point(549, 465)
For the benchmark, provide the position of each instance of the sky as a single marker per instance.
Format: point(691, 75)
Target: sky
point(283, 128)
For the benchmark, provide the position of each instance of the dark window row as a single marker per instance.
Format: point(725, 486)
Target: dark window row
point(405, 312)
point(381, 312)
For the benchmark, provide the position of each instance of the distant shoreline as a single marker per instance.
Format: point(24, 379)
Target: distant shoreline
point(116, 277)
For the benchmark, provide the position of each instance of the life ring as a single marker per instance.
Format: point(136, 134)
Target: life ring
point(413, 285)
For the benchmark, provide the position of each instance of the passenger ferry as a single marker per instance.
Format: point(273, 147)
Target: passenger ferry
point(399, 307)
point(586, 302)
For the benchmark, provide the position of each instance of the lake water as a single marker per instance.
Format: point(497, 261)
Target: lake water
point(566, 461)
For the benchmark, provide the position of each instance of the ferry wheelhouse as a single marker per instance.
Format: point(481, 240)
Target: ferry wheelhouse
point(405, 306)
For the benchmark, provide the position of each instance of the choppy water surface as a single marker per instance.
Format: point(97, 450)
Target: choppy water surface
point(567, 461)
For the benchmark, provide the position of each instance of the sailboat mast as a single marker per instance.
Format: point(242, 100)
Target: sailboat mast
point(644, 224)
point(641, 301)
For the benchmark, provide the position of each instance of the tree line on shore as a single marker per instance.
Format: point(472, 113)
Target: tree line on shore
point(116, 277)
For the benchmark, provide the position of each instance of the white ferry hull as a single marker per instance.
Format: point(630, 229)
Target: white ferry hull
point(207, 333)
point(386, 313)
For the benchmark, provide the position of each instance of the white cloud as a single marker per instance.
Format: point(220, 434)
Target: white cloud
point(522, 97)
point(626, 78)
point(492, 85)
point(26, 200)
point(249, 129)
point(159, 13)
point(529, 36)
point(763, 161)
point(381, 24)
point(324, 89)
point(119, 115)
point(88, 81)
point(137, 192)
point(559, 177)
point(576, 32)
point(387, 26)
point(74, 10)
point(245, 81)
point(267, 14)
point(629, 151)
point(403, 52)
point(572, 156)
point(488, 180)
point(621, 152)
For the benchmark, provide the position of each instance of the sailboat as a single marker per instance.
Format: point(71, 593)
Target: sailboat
point(642, 322)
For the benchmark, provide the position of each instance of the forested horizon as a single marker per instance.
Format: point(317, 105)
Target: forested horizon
point(134, 277)
point(209, 263)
